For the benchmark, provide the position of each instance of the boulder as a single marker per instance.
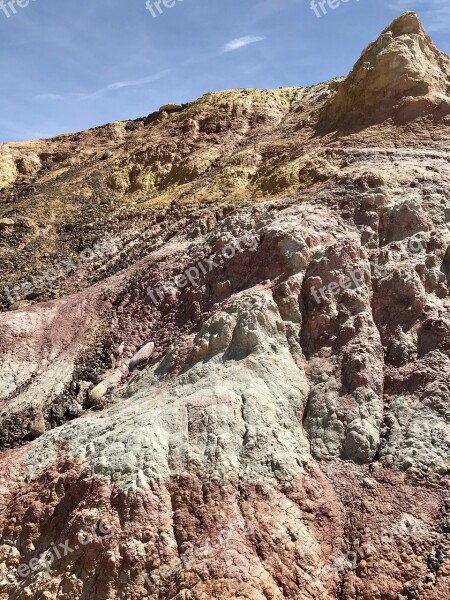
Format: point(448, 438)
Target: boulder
point(142, 356)
point(97, 393)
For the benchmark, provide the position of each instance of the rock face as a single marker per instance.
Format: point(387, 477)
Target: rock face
point(400, 76)
point(285, 434)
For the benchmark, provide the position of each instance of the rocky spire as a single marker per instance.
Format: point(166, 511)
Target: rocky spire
point(401, 75)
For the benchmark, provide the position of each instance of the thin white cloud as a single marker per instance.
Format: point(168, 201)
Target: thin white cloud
point(49, 97)
point(118, 85)
point(241, 42)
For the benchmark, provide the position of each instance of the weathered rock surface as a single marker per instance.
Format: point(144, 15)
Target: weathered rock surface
point(401, 76)
point(286, 431)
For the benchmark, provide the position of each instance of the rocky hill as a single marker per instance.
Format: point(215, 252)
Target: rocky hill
point(225, 345)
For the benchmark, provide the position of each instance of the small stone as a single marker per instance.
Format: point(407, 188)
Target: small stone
point(98, 392)
point(404, 557)
point(106, 155)
point(370, 483)
point(5, 223)
point(75, 409)
point(38, 428)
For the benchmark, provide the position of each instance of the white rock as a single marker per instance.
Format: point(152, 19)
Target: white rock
point(98, 392)
point(142, 356)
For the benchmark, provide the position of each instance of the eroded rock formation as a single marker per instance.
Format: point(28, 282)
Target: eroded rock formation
point(225, 345)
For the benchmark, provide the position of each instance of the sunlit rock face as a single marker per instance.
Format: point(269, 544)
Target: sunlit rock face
point(401, 76)
point(225, 345)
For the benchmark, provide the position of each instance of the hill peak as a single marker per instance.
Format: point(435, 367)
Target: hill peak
point(401, 75)
point(407, 23)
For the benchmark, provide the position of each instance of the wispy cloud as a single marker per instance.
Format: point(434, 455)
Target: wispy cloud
point(49, 97)
point(118, 85)
point(435, 13)
point(241, 42)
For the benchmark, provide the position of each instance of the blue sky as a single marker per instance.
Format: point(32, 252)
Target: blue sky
point(73, 64)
